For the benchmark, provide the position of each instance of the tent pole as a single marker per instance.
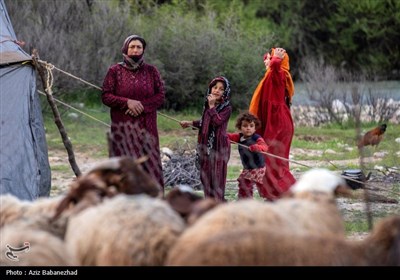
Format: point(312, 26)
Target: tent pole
point(57, 118)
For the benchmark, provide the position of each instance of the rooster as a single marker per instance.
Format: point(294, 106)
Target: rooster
point(372, 137)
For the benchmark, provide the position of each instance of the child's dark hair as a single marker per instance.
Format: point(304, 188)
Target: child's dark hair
point(249, 117)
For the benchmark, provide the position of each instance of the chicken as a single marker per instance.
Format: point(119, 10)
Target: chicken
point(372, 137)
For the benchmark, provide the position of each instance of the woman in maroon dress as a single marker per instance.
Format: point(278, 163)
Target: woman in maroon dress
point(271, 104)
point(134, 91)
point(213, 142)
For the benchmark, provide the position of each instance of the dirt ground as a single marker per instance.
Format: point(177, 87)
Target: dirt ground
point(62, 175)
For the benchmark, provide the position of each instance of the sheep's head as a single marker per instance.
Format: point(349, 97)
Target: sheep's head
point(85, 191)
point(321, 181)
point(189, 204)
point(116, 175)
point(127, 176)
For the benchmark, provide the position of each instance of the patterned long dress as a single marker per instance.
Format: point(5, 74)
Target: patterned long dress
point(214, 147)
point(214, 166)
point(135, 136)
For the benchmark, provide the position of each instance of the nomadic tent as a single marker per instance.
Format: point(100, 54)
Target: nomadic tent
point(24, 163)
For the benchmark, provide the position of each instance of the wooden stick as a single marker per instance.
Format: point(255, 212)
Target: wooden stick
point(57, 118)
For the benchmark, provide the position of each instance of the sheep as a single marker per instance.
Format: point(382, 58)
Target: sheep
point(310, 211)
point(188, 204)
point(106, 179)
point(124, 230)
point(264, 246)
point(38, 214)
point(11, 209)
point(36, 248)
point(127, 176)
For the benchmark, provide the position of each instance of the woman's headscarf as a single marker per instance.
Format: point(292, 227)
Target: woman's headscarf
point(132, 63)
point(289, 83)
point(209, 132)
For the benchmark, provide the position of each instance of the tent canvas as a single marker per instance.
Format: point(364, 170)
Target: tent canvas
point(24, 163)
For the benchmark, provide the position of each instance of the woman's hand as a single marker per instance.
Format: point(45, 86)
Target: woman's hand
point(279, 52)
point(135, 108)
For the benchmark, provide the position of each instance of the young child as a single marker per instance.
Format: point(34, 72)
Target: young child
point(213, 148)
point(253, 162)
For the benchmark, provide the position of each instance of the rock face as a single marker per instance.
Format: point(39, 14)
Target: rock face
point(306, 115)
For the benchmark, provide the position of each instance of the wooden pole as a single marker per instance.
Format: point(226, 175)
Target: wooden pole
point(57, 118)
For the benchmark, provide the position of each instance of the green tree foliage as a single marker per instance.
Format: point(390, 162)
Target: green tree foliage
point(361, 36)
point(193, 49)
point(369, 32)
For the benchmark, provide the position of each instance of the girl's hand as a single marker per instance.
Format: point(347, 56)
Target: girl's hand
point(211, 100)
point(185, 124)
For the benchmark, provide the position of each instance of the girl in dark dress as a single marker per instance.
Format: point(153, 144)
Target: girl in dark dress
point(213, 143)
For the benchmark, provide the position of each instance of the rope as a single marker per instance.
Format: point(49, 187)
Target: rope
point(68, 74)
point(50, 78)
point(73, 108)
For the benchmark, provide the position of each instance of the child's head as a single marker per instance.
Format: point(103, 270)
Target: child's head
point(220, 87)
point(247, 123)
point(218, 90)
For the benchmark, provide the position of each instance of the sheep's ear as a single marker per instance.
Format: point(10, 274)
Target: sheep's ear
point(141, 159)
point(200, 207)
point(64, 204)
point(344, 191)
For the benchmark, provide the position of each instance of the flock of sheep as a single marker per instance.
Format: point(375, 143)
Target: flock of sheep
point(114, 215)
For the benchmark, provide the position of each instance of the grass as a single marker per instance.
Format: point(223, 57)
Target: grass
point(61, 168)
point(341, 143)
point(356, 226)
